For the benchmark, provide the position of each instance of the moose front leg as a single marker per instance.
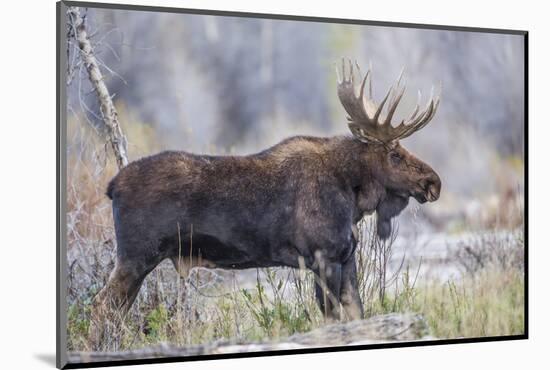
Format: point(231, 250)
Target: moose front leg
point(327, 289)
point(349, 291)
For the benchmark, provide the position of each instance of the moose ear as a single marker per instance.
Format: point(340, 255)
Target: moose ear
point(393, 144)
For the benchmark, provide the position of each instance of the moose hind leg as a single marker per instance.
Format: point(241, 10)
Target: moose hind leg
point(114, 300)
point(349, 291)
point(327, 289)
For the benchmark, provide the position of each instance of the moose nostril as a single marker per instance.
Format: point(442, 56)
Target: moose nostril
point(426, 184)
point(432, 180)
point(437, 183)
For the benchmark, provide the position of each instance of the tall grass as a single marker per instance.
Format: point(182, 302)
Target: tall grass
point(487, 299)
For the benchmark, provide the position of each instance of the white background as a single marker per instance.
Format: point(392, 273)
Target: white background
point(27, 182)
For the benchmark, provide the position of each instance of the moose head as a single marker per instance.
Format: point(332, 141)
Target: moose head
point(394, 169)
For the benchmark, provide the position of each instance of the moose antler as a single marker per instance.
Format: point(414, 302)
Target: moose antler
point(365, 121)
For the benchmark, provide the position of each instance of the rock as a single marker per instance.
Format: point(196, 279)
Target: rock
point(377, 329)
point(382, 328)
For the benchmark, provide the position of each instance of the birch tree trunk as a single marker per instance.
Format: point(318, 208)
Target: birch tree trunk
point(108, 111)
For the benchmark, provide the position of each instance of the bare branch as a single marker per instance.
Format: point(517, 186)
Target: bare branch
point(108, 111)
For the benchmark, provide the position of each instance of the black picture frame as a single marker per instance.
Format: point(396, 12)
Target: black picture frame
point(61, 175)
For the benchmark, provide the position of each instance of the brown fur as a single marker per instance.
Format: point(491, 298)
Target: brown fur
point(298, 200)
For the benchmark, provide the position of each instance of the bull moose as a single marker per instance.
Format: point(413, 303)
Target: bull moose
point(294, 203)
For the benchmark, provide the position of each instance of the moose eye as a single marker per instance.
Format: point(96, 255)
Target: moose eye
point(395, 158)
